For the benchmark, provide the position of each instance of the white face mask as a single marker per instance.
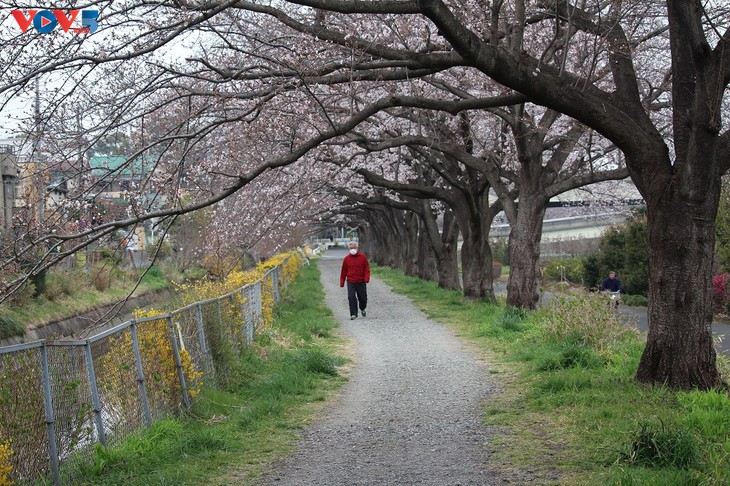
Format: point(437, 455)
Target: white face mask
point(353, 251)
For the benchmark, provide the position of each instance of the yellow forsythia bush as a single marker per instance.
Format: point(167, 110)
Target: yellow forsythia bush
point(117, 375)
point(155, 346)
point(6, 467)
point(291, 261)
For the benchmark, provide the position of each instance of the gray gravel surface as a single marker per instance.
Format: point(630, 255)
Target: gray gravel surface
point(410, 412)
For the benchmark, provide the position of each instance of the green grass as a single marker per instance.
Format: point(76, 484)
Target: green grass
point(569, 406)
point(231, 436)
point(69, 294)
point(9, 326)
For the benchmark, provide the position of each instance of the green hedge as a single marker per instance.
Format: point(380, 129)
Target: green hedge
point(570, 269)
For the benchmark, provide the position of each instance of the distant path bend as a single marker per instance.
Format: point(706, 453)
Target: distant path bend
point(410, 413)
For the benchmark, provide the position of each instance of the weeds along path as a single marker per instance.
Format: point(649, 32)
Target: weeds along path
point(410, 413)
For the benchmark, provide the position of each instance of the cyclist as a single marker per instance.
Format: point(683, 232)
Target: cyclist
point(611, 284)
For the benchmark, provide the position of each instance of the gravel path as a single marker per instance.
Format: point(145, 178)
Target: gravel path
point(410, 413)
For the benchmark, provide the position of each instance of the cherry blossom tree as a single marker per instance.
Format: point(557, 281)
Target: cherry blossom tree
point(668, 56)
point(416, 237)
point(671, 53)
point(650, 77)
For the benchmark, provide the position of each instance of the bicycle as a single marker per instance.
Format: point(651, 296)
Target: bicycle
point(614, 298)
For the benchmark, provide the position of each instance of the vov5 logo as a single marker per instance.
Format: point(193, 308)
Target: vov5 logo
point(46, 21)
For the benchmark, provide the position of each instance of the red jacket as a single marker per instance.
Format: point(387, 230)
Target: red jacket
point(355, 268)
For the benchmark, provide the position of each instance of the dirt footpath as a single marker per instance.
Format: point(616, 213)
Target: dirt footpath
point(410, 413)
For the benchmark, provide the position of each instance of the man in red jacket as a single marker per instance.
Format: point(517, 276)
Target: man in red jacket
point(356, 270)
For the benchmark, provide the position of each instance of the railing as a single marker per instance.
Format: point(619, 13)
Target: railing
point(60, 398)
point(327, 242)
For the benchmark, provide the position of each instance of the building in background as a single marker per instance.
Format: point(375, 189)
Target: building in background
point(114, 175)
point(9, 177)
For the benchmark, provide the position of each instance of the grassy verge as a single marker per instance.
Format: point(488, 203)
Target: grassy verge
point(70, 293)
point(570, 409)
point(232, 435)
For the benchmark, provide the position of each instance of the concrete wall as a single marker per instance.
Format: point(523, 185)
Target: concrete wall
point(574, 227)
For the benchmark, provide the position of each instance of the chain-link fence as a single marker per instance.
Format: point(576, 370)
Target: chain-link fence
point(58, 399)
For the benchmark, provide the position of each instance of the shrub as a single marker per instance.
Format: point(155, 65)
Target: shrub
point(637, 300)
point(160, 251)
point(102, 280)
point(570, 269)
point(111, 255)
point(154, 272)
point(39, 282)
point(591, 272)
point(115, 370)
point(624, 250)
point(586, 319)
point(235, 280)
point(9, 327)
point(6, 466)
point(58, 285)
point(722, 227)
point(721, 290)
point(24, 297)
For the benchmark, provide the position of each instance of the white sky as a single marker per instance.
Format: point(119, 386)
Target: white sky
point(23, 106)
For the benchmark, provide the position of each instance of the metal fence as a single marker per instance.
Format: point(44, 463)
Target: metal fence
point(58, 399)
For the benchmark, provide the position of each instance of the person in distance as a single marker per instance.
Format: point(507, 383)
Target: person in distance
point(356, 271)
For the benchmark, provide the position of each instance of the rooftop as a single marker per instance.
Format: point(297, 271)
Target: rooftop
point(120, 165)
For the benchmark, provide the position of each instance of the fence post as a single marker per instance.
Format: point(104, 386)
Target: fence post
point(245, 312)
point(94, 394)
point(220, 320)
point(275, 285)
point(283, 284)
point(178, 362)
point(201, 329)
point(204, 351)
point(259, 308)
point(50, 421)
point(140, 373)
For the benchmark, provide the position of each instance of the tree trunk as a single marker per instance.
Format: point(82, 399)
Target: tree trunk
point(524, 250)
point(408, 221)
point(426, 257)
point(380, 243)
point(388, 253)
point(448, 272)
point(370, 242)
point(679, 349)
point(476, 262)
point(444, 244)
point(447, 258)
point(366, 242)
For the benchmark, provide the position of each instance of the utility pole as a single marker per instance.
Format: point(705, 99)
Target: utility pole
point(40, 176)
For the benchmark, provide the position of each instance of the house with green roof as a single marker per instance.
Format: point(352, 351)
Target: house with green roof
point(113, 175)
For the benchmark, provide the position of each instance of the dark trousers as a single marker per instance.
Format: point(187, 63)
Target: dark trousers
point(357, 292)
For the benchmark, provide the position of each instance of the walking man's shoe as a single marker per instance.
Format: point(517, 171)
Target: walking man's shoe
point(363, 313)
point(352, 318)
